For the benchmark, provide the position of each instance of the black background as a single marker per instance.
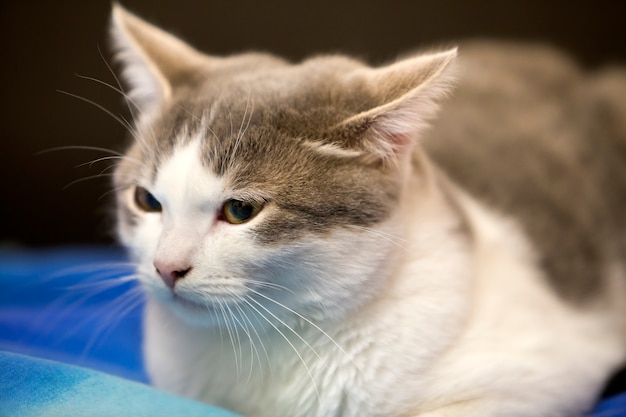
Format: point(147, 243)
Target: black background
point(46, 43)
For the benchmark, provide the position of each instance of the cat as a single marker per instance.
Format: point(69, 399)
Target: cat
point(439, 236)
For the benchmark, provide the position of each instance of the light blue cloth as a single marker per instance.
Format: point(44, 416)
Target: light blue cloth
point(32, 387)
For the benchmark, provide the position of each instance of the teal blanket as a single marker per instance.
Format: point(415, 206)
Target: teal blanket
point(32, 387)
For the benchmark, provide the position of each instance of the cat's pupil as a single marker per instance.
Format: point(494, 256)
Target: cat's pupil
point(146, 201)
point(237, 211)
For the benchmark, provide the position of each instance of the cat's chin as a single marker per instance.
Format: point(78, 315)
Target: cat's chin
point(194, 313)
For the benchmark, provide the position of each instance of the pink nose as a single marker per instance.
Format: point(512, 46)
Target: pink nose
point(171, 272)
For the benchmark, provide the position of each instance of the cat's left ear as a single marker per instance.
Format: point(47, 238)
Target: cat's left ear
point(153, 61)
point(406, 94)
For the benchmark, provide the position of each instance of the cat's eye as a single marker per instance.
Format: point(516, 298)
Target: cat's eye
point(237, 211)
point(146, 201)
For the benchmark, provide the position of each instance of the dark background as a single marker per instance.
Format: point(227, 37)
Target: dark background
point(46, 43)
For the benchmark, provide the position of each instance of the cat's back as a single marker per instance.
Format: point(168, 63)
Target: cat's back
point(535, 137)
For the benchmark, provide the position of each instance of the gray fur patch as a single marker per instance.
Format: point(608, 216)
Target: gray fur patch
point(522, 134)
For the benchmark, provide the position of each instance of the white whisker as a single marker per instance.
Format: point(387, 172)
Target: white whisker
point(117, 118)
point(104, 284)
point(129, 100)
point(264, 284)
point(230, 335)
point(124, 304)
point(114, 88)
point(308, 370)
point(253, 350)
point(83, 179)
point(105, 270)
point(109, 158)
point(315, 326)
point(114, 190)
point(234, 322)
point(241, 132)
point(80, 147)
point(286, 326)
point(383, 235)
point(254, 330)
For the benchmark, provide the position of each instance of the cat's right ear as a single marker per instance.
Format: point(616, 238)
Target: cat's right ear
point(153, 61)
point(405, 98)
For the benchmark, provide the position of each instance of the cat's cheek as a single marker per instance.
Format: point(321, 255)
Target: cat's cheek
point(345, 274)
point(142, 241)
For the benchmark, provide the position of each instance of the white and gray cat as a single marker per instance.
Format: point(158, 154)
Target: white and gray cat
point(311, 247)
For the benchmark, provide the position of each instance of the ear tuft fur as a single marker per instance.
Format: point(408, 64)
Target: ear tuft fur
point(410, 91)
point(152, 59)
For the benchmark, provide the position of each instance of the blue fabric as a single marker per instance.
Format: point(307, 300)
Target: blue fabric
point(612, 407)
point(66, 304)
point(72, 306)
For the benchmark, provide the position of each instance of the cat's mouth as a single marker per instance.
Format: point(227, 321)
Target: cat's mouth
point(191, 304)
point(205, 312)
point(204, 307)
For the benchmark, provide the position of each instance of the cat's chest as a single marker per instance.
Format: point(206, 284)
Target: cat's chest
point(371, 363)
point(289, 371)
point(358, 370)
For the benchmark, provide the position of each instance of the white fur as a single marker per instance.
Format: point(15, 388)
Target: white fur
point(413, 322)
point(524, 352)
point(149, 88)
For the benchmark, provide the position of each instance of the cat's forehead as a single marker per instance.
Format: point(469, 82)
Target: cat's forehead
point(299, 101)
point(275, 87)
point(245, 141)
point(255, 121)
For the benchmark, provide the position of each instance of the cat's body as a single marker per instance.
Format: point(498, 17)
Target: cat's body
point(480, 272)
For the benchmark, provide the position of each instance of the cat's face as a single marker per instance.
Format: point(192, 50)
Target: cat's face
point(258, 190)
point(253, 212)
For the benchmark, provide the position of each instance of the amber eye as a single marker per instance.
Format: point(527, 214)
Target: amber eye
point(237, 211)
point(146, 201)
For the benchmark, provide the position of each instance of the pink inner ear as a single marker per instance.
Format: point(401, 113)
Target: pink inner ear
point(401, 142)
point(385, 146)
point(395, 133)
point(395, 129)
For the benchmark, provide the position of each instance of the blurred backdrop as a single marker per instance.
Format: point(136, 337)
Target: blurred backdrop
point(49, 198)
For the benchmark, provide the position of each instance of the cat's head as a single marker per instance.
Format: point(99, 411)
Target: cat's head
point(261, 188)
